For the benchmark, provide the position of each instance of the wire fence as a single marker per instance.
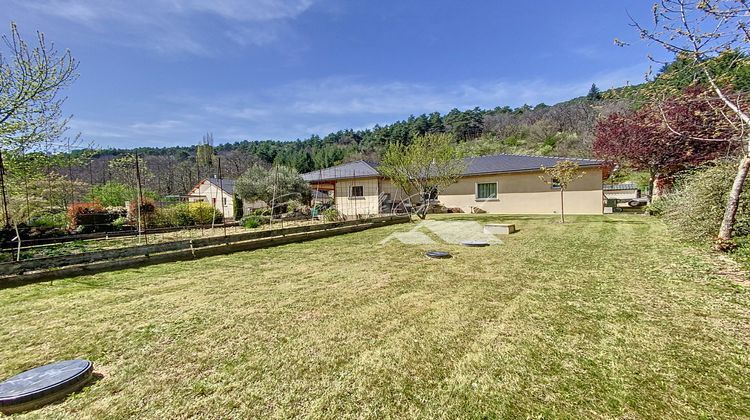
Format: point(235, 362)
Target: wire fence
point(352, 195)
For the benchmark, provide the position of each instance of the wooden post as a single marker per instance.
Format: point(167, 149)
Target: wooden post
point(221, 187)
point(273, 197)
point(140, 200)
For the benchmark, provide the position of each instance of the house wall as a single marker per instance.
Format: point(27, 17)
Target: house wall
point(518, 193)
point(350, 206)
point(525, 193)
point(397, 195)
point(208, 192)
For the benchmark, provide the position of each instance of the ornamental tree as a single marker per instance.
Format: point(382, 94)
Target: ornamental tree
point(699, 31)
point(31, 121)
point(429, 164)
point(655, 138)
point(277, 185)
point(561, 175)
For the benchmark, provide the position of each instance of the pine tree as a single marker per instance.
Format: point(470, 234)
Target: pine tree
point(594, 93)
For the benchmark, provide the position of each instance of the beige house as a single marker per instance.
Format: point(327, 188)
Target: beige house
point(501, 184)
point(219, 193)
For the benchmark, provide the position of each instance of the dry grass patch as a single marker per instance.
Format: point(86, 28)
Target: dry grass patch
point(602, 317)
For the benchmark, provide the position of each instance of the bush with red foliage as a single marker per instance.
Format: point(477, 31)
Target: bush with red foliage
point(666, 138)
point(76, 210)
point(148, 211)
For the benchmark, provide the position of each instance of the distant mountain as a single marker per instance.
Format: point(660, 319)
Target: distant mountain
point(563, 129)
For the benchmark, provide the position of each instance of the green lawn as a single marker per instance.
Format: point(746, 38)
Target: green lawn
point(598, 318)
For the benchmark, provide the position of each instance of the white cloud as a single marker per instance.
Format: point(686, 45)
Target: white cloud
point(164, 125)
point(247, 10)
point(246, 113)
point(169, 26)
point(302, 108)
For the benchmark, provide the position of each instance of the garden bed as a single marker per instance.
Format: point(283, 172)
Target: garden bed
point(143, 254)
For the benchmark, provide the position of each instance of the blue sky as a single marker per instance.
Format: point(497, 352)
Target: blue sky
point(164, 72)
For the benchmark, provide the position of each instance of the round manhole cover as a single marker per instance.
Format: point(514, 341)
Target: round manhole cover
point(43, 384)
point(438, 254)
point(475, 243)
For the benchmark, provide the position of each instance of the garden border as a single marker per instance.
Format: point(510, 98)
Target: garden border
point(115, 259)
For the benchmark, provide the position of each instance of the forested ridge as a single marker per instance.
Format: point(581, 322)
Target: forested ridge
point(566, 129)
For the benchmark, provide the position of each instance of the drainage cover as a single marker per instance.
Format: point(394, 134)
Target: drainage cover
point(438, 254)
point(475, 243)
point(43, 385)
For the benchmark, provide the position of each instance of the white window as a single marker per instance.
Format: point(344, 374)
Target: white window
point(486, 191)
point(357, 191)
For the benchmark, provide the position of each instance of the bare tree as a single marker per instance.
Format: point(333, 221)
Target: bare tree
point(699, 31)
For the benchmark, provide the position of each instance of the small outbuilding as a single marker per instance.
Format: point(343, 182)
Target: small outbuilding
point(220, 193)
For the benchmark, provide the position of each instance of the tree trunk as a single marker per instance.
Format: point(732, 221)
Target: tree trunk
point(658, 187)
point(4, 193)
point(650, 187)
point(727, 224)
point(422, 212)
point(562, 206)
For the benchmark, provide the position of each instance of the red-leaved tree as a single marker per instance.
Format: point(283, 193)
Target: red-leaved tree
point(666, 138)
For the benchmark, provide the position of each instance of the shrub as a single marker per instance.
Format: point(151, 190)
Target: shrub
point(331, 215)
point(237, 205)
point(120, 222)
point(262, 212)
point(203, 213)
point(293, 205)
point(252, 222)
point(696, 207)
point(148, 211)
point(658, 206)
point(113, 194)
point(49, 220)
point(79, 209)
point(177, 215)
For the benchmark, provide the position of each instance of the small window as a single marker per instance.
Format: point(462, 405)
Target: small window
point(357, 191)
point(213, 200)
point(487, 191)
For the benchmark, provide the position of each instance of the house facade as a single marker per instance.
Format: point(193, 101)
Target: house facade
point(500, 184)
point(219, 193)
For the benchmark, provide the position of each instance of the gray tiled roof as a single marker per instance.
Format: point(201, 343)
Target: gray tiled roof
point(518, 163)
point(227, 184)
point(358, 169)
point(474, 166)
